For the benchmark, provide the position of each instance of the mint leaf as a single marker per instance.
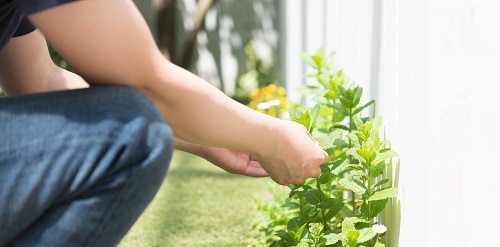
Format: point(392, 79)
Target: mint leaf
point(384, 194)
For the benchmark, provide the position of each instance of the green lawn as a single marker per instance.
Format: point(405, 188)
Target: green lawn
point(198, 204)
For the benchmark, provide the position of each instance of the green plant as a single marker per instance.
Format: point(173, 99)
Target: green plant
point(272, 217)
point(259, 74)
point(341, 206)
point(58, 60)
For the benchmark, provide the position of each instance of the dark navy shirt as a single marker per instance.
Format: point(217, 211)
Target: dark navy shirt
point(13, 16)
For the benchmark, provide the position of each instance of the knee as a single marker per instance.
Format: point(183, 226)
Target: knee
point(150, 137)
point(144, 141)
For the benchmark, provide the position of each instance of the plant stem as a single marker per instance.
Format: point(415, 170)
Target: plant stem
point(318, 184)
point(368, 194)
point(350, 162)
point(301, 206)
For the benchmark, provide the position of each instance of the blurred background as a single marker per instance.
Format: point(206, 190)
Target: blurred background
point(432, 66)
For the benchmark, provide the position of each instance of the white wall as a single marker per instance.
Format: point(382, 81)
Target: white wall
point(436, 65)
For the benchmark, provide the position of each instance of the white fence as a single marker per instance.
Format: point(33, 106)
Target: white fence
point(434, 69)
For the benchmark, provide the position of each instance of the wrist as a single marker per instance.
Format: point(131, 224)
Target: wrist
point(267, 137)
point(186, 146)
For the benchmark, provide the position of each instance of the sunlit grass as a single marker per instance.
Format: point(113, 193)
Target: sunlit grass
point(198, 204)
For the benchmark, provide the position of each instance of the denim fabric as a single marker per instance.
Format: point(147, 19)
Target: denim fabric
point(78, 167)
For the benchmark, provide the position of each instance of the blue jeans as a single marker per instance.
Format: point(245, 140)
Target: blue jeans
point(78, 167)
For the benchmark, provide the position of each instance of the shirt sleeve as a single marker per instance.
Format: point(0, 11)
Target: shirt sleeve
point(29, 7)
point(24, 27)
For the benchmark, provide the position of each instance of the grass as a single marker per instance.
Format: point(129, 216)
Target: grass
point(198, 204)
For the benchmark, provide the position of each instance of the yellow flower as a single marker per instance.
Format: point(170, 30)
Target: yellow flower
point(270, 99)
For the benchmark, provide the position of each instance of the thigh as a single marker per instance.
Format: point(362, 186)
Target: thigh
point(78, 167)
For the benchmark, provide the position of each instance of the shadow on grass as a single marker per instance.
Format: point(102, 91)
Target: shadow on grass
point(198, 205)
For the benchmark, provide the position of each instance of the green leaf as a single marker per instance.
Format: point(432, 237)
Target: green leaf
point(357, 95)
point(356, 174)
point(356, 220)
point(377, 169)
point(347, 103)
point(376, 207)
point(316, 229)
point(326, 141)
point(300, 117)
point(330, 94)
point(376, 124)
point(294, 114)
point(341, 89)
point(373, 143)
point(298, 234)
point(314, 113)
point(326, 177)
point(323, 78)
point(379, 244)
point(339, 116)
point(286, 237)
point(361, 136)
point(290, 205)
point(348, 225)
point(383, 156)
point(334, 209)
point(313, 196)
point(357, 122)
point(293, 225)
point(329, 203)
point(339, 126)
point(354, 139)
point(305, 119)
point(340, 108)
point(381, 182)
point(359, 109)
point(294, 232)
point(366, 234)
point(331, 238)
point(353, 153)
point(351, 185)
point(340, 143)
point(309, 60)
point(366, 154)
point(318, 59)
point(342, 168)
point(352, 238)
point(384, 194)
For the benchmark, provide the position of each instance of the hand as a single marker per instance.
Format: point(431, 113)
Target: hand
point(233, 161)
point(292, 154)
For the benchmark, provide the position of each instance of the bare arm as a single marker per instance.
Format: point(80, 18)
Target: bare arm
point(26, 67)
point(107, 41)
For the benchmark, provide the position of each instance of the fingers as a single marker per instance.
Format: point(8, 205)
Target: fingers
point(255, 170)
point(297, 157)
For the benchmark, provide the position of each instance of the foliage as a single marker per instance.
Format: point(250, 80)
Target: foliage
point(339, 207)
point(58, 60)
point(270, 99)
point(259, 74)
point(271, 217)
